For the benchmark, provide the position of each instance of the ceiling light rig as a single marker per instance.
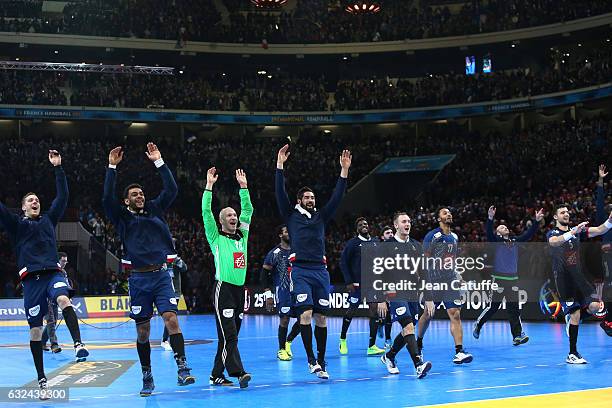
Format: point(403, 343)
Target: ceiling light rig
point(269, 4)
point(361, 7)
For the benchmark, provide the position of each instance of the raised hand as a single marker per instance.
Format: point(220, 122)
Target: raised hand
point(283, 155)
point(491, 212)
point(580, 228)
point(152, 152)
point(115, 156)
point(55, 158)
point(345, 159)
point(211, 177)
point(241, 178)
point(602, 171)
point(539, 215)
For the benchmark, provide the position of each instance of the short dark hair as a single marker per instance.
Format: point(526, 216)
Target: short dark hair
point(302, 191)
point(397, 215)
point(560, 206)
point(279, 229)
point(358, 220)
point(62, 255)
point(386, 227)
point(25, 195)
point(440, 210)
point(126, 191)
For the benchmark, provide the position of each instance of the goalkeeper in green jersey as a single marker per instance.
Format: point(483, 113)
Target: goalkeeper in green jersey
point(229, 247)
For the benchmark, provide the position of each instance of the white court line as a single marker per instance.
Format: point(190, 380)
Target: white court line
point(262, 386)
point(491, 387)
point(500, 368)
point(362, 379)
point(478, 370)
point(288, 384)
point(182, 391)
point(520, 366)
point(541, 365)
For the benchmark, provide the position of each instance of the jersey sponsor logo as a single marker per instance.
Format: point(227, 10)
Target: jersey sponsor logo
point(173, 301)
point(136, 309)
point(400, 311)
point(57, 285)
point(239, 261)
point(302, 297)
point(437, 235)
point(324, 302)
point(229, 313)
point(285, 309)
point(33, 311)
point(239, 245)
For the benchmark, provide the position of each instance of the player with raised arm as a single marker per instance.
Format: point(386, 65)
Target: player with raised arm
point(33, 236)
point(147, 241)
point(606, 251)
point(505, 274)
point(309, 276)
point(229, 247)
point(575, 291)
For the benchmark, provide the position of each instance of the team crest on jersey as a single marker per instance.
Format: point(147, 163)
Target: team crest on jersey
point(400, 311)
point(173, 301)
point(302, 297)
point(136, 309)
point(239, 261)
point(33, 311)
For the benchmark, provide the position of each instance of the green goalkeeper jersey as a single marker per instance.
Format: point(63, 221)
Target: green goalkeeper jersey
point(230, 251)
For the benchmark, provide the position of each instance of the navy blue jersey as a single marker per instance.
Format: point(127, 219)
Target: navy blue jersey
point(34, 238)
point(505, 265)
point(350, 259)
point(307, 229)
point(601, 217)
point(278, 259)
point(567, 254)
point(445, 247)
point(145, 234)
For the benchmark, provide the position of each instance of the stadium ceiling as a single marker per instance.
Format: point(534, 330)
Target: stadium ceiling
point(82, 67)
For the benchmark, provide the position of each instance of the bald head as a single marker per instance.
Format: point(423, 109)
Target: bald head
point(228, 219)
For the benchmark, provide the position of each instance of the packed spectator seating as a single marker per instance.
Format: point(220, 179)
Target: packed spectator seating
point(279, 91)
point(312, 21)
point(484, 172)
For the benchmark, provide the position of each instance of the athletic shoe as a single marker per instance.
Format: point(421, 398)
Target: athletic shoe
point(390, 363)
point(44, 391)
point(55, 348)
point(343, 347)
point(422, 369)
point(184, 376)
point(476, 332)
point(166, 345)
point(80, 352)
point(520, 339)
point(607, 327)
point(220, 381)
point(244, 379)
point(314, 368)
point(283, 355)
point(323, 375)
point(147, 384)
point(375, 351)
point(575, 358)
point(462, 357)
point(388, 344)
point(288, 349)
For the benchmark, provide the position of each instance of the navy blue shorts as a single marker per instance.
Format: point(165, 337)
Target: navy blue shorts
point(37, 288)
point(403, 310)
point(148, 288)
point(310, 288)
point(283, 302)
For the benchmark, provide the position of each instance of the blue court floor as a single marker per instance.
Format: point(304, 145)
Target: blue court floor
point(499, 370)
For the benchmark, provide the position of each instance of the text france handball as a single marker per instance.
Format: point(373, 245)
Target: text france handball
point(455, 285)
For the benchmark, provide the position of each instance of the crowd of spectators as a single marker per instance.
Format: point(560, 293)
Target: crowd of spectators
point(311, 21)
point(278, 91)
point(517, 173)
